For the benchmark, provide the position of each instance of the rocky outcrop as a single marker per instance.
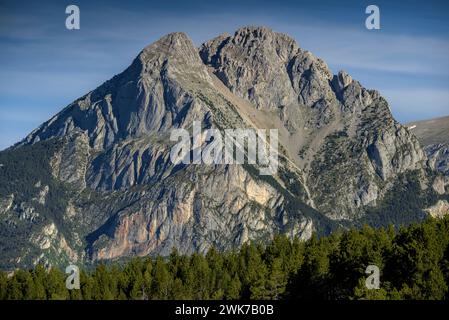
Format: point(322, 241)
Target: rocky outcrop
point(439, 210)
point(70, 164)
point(6, 203)
point(438, 157)
point(395, 152)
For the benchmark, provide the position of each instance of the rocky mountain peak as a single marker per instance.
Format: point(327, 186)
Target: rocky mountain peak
point(263, 38)
point(269, 69)
point(106, 156)
point(344, 79)
point(176, 45)
point(145, 98)
point(254, 64)
point(174, 57)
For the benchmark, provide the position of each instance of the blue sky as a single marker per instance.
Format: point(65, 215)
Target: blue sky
point(44, 66)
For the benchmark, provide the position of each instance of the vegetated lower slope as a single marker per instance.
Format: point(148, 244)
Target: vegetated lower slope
point(413, 263)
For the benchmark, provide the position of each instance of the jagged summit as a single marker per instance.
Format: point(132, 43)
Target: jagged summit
point(149, 96)
point(172, 45)
point(173, 39)
point(255, 59)
point(106, 156)
point(246, 35)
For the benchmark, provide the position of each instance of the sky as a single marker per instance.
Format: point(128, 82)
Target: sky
point(44, 66)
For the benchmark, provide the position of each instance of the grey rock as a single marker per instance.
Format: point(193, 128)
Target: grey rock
point(438, 155)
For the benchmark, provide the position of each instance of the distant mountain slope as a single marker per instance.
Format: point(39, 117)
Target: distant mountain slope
point(433, 131)
point(434, 137)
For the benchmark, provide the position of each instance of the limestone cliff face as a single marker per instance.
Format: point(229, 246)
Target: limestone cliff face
point(438, 157)
point(108, 190)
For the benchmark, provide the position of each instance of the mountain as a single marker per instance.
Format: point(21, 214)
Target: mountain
point(96, 182)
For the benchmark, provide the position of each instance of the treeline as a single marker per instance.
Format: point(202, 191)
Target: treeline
point(414, 264)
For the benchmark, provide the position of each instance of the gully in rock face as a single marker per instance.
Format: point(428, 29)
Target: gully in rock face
point(234, 139)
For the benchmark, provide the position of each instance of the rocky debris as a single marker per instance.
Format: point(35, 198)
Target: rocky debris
point(74, 160)
point(152, 95)
point(42, 195)
point(434, 137)
point(47, 235)
point(26, 212)
point(70, 211)
point(70, 163)
point(184, 211)
point(440, 183)
point(132, 162)
point(50, 238)
point(303, 230)
point(271, 71)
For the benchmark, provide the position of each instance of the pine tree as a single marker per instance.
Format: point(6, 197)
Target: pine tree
point(414, 263)
point(14, 290)
point(39, 279)
point(147, 279)
point(162, 280)
point(277, 280)
point(105, 283)
point(55, 285)
point(86, 285)
point(254, 272)
point(3, 285)
point(201, 275)
point(215, 261)
point(233, 288)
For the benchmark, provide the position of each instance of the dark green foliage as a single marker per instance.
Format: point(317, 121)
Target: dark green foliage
point(21, 170)
point(402, 204)
point(413, 262)
point(25, 166)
